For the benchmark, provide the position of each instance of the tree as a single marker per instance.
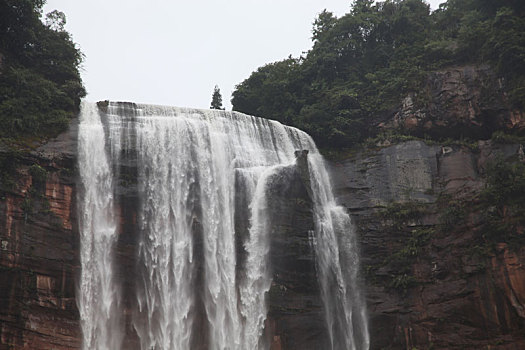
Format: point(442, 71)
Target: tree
point(363, 64)
point(216, 99)
point(40, 83)
point(56, 20)
point(322, 24)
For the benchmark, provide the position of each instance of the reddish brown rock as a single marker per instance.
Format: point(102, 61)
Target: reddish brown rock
point(39, 256)
point(462, 296)
point(449, 289)
point(467, 101)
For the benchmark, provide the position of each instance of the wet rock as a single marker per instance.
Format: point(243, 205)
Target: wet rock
point(450, 293)
point(295, 315)
point(460, 297)
point(406, 171)
point(39, 258)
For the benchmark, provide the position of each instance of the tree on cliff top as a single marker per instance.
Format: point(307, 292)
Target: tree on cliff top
point(40, 84)
point(363, 64)
point(216, 99)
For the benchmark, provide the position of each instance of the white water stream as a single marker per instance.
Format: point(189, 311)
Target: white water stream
point(99, 295)
point(187, 164)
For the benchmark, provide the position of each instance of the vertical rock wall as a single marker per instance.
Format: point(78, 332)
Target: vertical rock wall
point(428, 284)
point(432, 281)
point(39, 249)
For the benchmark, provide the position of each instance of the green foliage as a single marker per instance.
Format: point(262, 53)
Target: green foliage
point(35, 202)
point(467, 143)
point(38, 175)
point(362, 64)
point(503, 203)
point(399, 214)
point(403, 282)
point(505, 48)
point(27, 206)
point(388, 137)
point(216, 99)
point(504, 138)
point(8, 164)
point(402, 260)
point(453, 213)
point(505, 184)
point(56, 20)
point(412, 242)
point(40, 85)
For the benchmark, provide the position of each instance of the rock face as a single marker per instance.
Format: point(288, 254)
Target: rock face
point(431, 281)
point(39, 249)
point(296, 318)
point(466, 101)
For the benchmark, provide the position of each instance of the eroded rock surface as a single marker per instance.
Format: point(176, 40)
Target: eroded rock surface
point(40, 249)
point(467, 101)
point(431, 282)
point(296, 317)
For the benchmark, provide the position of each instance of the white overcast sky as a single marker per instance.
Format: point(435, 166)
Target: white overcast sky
point(173, 52)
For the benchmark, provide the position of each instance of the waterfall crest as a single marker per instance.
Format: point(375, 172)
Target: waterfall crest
point(191, 164)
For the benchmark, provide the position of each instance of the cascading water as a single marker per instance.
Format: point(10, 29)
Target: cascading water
point(99, 296)
point(338, 264)
point(190, 166)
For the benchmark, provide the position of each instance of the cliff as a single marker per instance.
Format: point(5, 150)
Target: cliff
point(443, 255)
point(433, 278)
point(39, 255)
point(449, 291)
point(458, 102)
point(435, 272)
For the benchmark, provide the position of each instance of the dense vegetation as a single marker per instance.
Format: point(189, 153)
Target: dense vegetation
point(362, 64)
point(502, 203)
point(40, 85)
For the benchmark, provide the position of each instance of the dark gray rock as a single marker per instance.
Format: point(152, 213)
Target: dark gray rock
point(449, 293)
point(403, 172)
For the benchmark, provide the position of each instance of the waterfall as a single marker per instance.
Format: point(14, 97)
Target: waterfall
point(191, 165)
point(99, 295)
point(338, 263)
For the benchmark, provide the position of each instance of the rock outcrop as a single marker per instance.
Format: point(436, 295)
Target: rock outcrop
point(431, 278)
point(39, 248)
point(295, 318)
point(460, 102)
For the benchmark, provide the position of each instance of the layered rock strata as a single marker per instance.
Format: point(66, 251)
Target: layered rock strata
point(39, 254)
point(429, 280)
point(432, 279)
